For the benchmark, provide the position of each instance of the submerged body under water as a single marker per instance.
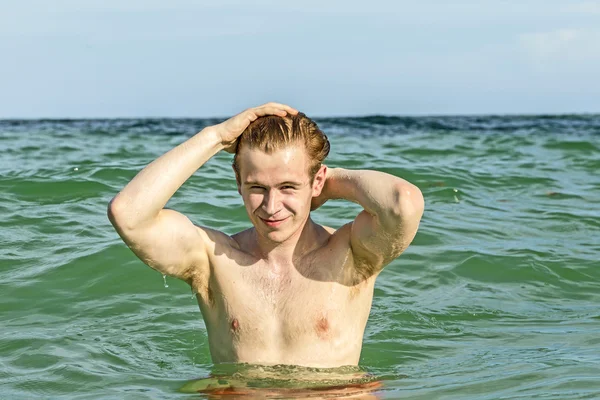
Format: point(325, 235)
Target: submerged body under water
point(497, 297)
point(286, 381)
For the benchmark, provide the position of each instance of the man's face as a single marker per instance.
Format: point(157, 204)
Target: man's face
point(277, 190)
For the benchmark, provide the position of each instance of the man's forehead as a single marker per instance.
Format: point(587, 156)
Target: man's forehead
point(285, 165)
point(275, 176)
point(288, 157)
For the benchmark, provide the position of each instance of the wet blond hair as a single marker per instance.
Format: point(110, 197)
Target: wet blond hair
point(273, 133)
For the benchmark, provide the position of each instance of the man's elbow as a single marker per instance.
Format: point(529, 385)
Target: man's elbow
point(117, 213)
point(408, 202)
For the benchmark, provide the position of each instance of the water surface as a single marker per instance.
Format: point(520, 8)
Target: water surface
point(498, 297)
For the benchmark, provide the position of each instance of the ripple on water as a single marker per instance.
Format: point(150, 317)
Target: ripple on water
point(496, 298)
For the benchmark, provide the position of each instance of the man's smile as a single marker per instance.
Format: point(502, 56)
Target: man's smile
point(273, 223)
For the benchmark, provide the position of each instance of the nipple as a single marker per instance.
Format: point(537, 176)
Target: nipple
point(235, 325)
point(322, 327)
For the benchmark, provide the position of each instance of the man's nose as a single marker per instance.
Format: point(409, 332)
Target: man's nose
point(271, 202)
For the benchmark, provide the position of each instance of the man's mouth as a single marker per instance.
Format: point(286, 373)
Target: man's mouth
point(273, 223)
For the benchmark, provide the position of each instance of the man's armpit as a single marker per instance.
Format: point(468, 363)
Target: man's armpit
point(363, 269)
point(374, 246)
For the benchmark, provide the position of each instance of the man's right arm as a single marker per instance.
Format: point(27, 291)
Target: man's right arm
point(166, 240)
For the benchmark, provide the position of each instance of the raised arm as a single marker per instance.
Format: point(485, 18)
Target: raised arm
point(165, 239)
point(392, 211)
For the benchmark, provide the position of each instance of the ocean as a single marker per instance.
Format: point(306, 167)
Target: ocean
point(498, 297)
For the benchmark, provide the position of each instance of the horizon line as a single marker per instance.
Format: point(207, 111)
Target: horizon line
point(507, 114)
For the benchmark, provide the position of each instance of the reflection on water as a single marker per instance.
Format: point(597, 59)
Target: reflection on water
point(286, 381)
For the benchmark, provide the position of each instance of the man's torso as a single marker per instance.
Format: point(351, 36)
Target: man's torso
point(312, 313)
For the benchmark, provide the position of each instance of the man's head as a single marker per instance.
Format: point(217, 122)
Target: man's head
point(274, 133)
point(278, 168)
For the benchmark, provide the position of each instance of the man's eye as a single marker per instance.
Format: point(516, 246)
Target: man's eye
point(287, 188)
point(256, 187)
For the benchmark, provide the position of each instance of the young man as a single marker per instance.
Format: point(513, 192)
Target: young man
point(287, 291)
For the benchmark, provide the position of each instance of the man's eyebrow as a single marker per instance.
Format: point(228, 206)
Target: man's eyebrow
point(290, 183)
point(251, 182)
point(286, 183)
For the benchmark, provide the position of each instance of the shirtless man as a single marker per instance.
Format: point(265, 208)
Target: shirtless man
point(287, 290)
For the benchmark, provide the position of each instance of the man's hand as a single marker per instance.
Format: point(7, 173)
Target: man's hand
point(232, 128)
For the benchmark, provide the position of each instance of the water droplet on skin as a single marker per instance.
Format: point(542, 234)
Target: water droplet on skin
point(165, 280)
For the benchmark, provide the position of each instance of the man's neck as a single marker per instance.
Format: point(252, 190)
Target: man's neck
point(293, 249)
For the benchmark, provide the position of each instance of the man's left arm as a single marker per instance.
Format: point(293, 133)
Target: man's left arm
point(392, 211)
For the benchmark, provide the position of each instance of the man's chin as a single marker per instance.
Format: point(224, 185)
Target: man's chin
point(273, 235)
point(277, 236)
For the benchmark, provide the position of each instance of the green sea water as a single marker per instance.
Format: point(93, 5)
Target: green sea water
point(498, 297)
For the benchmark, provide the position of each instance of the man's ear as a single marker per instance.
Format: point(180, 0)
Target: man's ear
point(237, 180)
point(319, 181)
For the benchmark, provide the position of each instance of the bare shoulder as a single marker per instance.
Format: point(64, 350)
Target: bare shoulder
point(339, 237)
point(332, 238)
point(216, 245)
point(243, 237)
point(222, 249)
point(214, 238)
point(328, 229)
point(336, 253)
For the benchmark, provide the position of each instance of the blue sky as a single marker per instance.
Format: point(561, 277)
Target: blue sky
point(149, 58)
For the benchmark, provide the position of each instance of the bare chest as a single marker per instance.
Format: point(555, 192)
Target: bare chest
point(286, 304)
point(290, 293)
point(305, 315)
